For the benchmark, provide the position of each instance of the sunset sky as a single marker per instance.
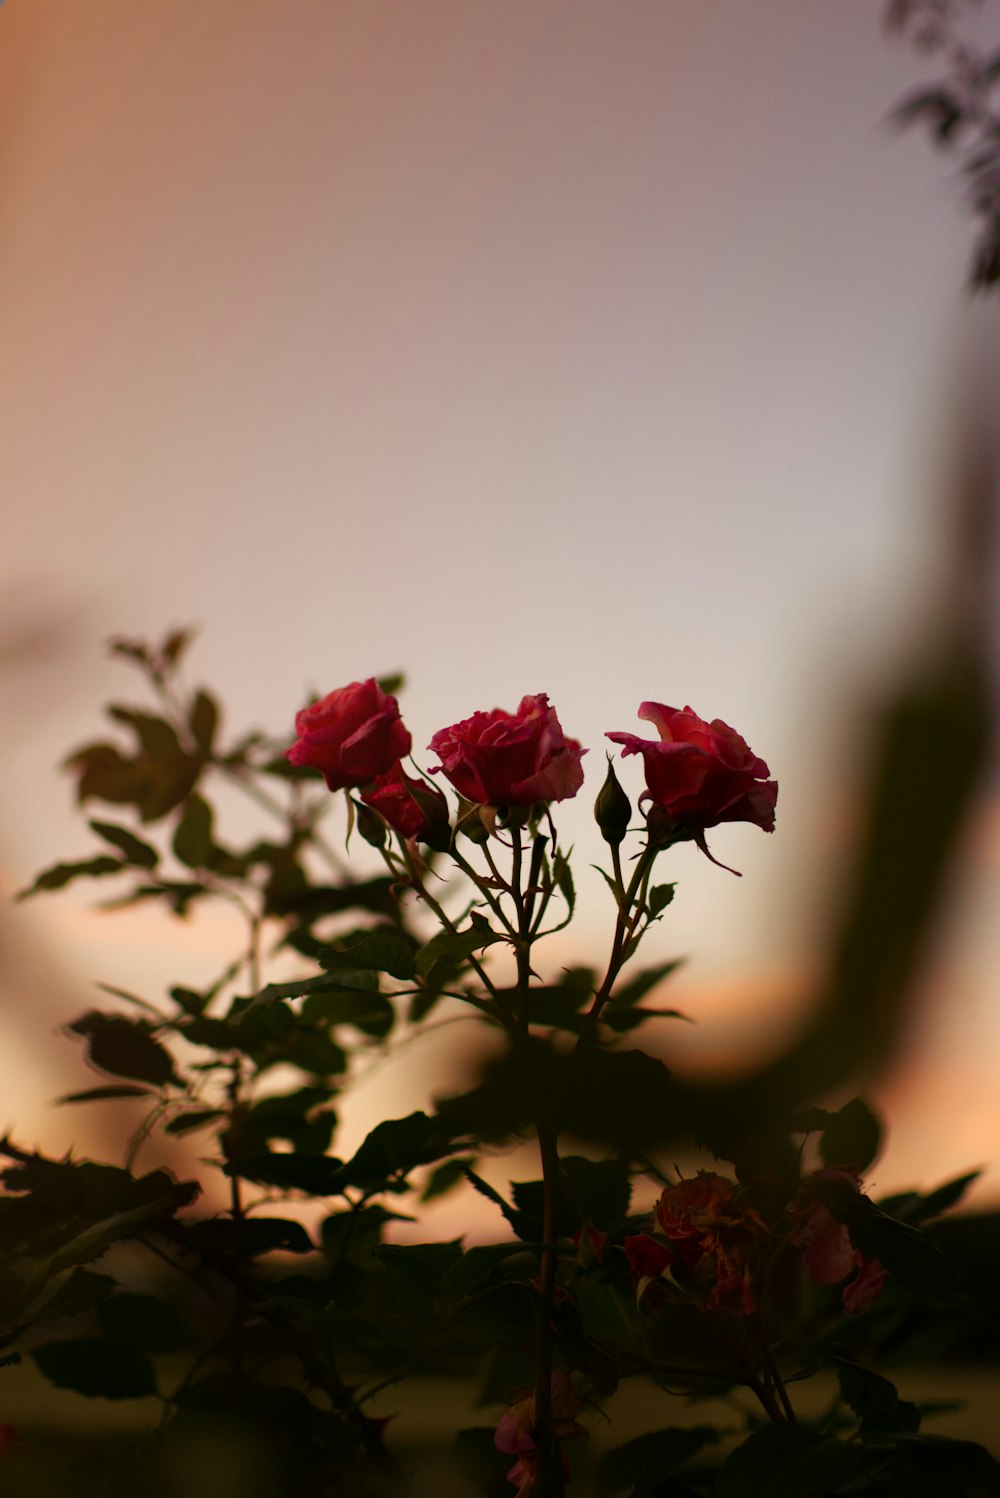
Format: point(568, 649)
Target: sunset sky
point(610, 350)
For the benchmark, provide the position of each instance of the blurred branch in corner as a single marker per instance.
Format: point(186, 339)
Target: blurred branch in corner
point(931, 748)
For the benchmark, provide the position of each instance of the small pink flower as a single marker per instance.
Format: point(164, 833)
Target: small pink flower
point(828, 1254)
point(515, 1435)
point(701, 773)
point(351, 736)
point(510, 759)
point(866, 1285)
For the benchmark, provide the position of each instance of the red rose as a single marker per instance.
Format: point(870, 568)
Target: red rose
point(690, 1213)
point(411, 807)
point(510, 759)
point(701, 773)
point(352, 736)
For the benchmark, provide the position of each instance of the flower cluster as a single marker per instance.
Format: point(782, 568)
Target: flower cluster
point(706, 1223)
point(698, 774)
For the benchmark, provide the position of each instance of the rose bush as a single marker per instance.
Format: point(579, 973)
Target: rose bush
point(351, 736)
point(510, 759)
point(701, 773)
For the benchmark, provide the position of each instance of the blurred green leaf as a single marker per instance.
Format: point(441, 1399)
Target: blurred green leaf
point(192, 840)
point(135, 851)
point(203, 721)
point(61, 874)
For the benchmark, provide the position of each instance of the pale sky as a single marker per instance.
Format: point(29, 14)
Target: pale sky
point(605, 350)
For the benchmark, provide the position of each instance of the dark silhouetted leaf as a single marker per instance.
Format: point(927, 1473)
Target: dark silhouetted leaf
point(852, 1138)
point(875, 1400)
point(186, 1123)
point(81, 1290)
point(141, 1321)
point(659, 1452)
point(787, 1461)
point(104, 1094)
point(93, 1366)
point(372, 1013)
point(222, 1236)
point(384, 950)
point(125, 1048)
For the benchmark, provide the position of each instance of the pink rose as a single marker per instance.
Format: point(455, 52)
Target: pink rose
point(352, 736)
point(828, 1254)
point(701, 773)
point(510, 759)
point(411, 807)
point(515, 1435)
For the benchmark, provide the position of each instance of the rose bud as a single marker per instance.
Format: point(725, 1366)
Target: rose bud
point(510, 759)
point(612, 809)
point(411, 807)
point(351, 736)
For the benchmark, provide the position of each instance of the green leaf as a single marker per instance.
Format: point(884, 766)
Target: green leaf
point(643, 982)
point(102, 1094)
point(135, 851)
point(601, 1189)
point(125, 1048)
point(61, 874)
point(157, 737)
point(392, 684)
point(96, 1367)
point(444, 1177)
point(478, 1265)
point(453, 948)
point(203, 721)
point(944, 1197)
point(787, 1461)
point(875, 1400)
point(383, 950)
point(372, 1013)
point(316, 1175)
point(563, 876)
point(143, 1322)
point(82, 1290)
point(192, 841)
point(395, 1147)
point(422, 1264)
point(659, 1452)
point(186, 1123)
point(660, 897)
point(852, 1138)
point(623, 1020)
point(224, 1236)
